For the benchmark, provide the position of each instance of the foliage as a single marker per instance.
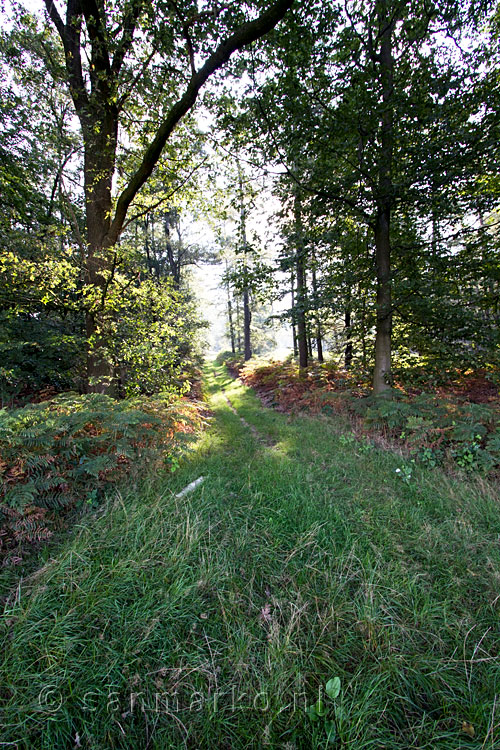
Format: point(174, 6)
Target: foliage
point(152, 333)
point(423, 149)
point(37, 352)
point(148, 326)
point(436, 428)
point(70, 450)
point(443, 427)
point(41, 320)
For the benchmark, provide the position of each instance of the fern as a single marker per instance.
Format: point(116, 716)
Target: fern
point(59, 452)
point(20, 496)
point(95, 465)
point(493, 443)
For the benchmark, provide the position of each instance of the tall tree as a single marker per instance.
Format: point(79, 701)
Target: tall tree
point(381, 117)
point(110, 52)
point(247, 312)
point(300, 274)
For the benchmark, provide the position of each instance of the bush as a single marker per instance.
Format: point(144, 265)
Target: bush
point(224, 357)
point(435, 429)
point(39, 352)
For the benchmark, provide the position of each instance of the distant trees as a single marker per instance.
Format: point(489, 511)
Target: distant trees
point(384, 116)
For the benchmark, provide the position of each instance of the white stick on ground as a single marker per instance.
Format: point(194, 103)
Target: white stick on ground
point(191, 486)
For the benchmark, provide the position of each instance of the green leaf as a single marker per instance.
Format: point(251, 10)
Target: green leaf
point(331, 731)
point(333, 688)
point(311, 712)
point(319, 707)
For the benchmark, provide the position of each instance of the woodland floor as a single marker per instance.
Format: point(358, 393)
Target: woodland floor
point(214, 620)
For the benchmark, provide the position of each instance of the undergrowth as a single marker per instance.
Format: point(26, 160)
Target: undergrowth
point(69, 451)
point(434, 428)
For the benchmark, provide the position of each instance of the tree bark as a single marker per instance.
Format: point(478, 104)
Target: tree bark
point(231, 327)
point(300, 273)
point(247, 313)
point(294, 327)
point(382, 375)
point(230, 314)
point(363, 329)
point(98, 173)
point(247, 319)
point(317, 322)
point(238, 324)
point(348, 346)
point(309, 343)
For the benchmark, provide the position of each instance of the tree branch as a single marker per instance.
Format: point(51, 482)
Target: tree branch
point(135, 80)
point(130, 16)
point(165, 197)
point(100, 69)
point(56, 19)
point(70, 37)
point(244, 35)
point(186, 35)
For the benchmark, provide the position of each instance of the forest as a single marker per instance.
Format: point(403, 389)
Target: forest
point(249, 374)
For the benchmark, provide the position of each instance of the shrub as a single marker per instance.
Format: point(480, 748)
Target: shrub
point(435, 429)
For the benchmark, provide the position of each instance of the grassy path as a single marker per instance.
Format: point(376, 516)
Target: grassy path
point(212, 621)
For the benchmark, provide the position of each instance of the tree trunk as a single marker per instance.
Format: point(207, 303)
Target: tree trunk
point(309, 343)
point(363, 329)
point(300, 273)
point(294, 327)
point(382, 373)
point(348, 346)
point(231, 327)
point(319, 346)
point(238, 324)
point(173, 260)
point(100, 155)
point(319, 339)
point(230, 314)
point(247, 319)
point(247, 314)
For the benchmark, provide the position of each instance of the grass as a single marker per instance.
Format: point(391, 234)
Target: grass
point(455, 426)
point(216, 619)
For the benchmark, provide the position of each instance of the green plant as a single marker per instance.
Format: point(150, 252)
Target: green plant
point(467, 456)
point(348, 439)
point(430, 456)
point(405, 473)
point(70, 450)
point(325, 712)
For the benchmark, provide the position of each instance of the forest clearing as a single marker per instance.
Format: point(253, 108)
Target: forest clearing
point(249, 374)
